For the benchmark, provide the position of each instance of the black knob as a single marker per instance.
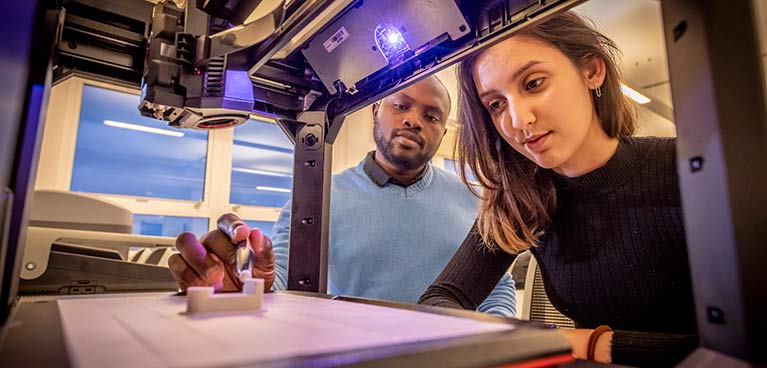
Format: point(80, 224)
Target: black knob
point(310, 139)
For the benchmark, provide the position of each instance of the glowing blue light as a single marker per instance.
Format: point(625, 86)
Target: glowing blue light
point(390, 41)
point(394, 37)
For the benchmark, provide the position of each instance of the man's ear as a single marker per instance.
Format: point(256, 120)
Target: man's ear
point(376, 105)
point(594, 71)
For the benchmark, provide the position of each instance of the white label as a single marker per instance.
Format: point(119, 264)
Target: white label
point(336, 40)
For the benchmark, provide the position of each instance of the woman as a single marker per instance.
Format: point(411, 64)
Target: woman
point(548, 132)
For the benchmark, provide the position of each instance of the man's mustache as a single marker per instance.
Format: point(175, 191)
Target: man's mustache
point(409, 134)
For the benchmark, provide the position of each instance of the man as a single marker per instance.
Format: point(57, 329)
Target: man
point(395, 220)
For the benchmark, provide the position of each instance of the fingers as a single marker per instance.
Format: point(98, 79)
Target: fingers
point(262, 248)
point(196, 259)
point(184, 275)
point(221, 245)
point(210, 260)
point(263, 262)
point(233, 227)
point(232, 232)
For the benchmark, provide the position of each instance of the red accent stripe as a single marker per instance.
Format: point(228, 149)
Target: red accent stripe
point(543, 362)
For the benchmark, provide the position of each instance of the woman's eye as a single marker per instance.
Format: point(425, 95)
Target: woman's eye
point(495, 105)
point(533, 84)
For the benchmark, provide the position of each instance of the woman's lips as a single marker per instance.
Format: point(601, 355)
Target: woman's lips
point(535, 143)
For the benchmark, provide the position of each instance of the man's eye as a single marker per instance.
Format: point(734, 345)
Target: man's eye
point(535, 83)
point(400, 106)
point(432, 118)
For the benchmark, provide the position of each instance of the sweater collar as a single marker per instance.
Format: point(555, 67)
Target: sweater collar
point(618, 168)
point(380, 177)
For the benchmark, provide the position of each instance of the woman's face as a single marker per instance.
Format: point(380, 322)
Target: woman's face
point(540, 102)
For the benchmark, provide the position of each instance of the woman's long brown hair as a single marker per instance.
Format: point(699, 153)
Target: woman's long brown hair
point(518, 198)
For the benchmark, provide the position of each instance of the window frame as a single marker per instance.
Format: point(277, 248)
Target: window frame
point(57, 156)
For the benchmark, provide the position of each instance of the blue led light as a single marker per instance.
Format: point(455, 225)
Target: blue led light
point(390, 41)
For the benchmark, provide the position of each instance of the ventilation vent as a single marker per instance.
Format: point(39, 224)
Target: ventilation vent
point(214, 77)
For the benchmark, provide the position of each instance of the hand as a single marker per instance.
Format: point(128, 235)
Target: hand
point(210, 261)
point(579, 340)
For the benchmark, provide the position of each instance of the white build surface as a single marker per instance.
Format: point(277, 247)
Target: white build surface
point(201, 299)
point(155, 330)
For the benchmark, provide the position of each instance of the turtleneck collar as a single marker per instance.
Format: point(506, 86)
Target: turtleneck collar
point(627, 158)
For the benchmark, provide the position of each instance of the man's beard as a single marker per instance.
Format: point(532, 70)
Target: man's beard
point(385, 147)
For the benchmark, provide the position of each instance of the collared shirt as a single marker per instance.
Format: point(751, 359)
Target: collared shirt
point(379, 176)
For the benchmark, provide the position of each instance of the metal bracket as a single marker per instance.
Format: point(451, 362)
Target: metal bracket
point(308, 262)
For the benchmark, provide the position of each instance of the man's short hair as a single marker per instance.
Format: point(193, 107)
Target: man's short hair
point(449, 99)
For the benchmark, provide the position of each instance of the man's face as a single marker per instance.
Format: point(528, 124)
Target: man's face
point(409, 125)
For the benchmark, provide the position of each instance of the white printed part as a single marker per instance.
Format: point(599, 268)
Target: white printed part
point(201, 299)
point(336, 39)
point(245, 275)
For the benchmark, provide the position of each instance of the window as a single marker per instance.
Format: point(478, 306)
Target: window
point(97, 142)
point(120, 152)
point(265, 226)
point(168, 225)
point(262, 165)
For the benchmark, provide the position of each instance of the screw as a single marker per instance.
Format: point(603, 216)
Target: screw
point(696, 164)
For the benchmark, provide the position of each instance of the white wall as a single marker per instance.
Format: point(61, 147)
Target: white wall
point(354, 141)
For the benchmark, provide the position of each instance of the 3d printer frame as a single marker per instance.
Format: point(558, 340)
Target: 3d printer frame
point(720, 115)
point(717, 86)
point(353, 54)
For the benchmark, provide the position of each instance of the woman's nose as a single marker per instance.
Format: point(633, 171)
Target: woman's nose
point(521, 116)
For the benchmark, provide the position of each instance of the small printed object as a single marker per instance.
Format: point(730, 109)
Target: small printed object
point(201, 299)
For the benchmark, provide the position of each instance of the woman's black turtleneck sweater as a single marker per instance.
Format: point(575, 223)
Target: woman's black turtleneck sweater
point(614, 255)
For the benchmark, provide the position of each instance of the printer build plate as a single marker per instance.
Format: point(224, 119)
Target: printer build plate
point(291, 330)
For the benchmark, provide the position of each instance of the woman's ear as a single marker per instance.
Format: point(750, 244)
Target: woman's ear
point(594, 71)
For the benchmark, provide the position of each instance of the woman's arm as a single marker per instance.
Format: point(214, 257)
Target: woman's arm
point(469, 277)
point(635, 348)
point(650, 348)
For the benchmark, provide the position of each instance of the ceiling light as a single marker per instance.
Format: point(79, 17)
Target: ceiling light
point(261, 172)
point(634, 95)
point(142, 128)
point(273, 189)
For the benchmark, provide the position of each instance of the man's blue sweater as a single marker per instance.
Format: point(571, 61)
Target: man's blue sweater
point(390, 242)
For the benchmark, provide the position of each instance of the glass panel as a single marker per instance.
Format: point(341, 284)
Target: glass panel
point(169, 225)
point(121, 152)
point(262, 165)
point(265, 226)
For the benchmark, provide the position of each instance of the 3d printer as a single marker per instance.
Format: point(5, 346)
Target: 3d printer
point(309, 63)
